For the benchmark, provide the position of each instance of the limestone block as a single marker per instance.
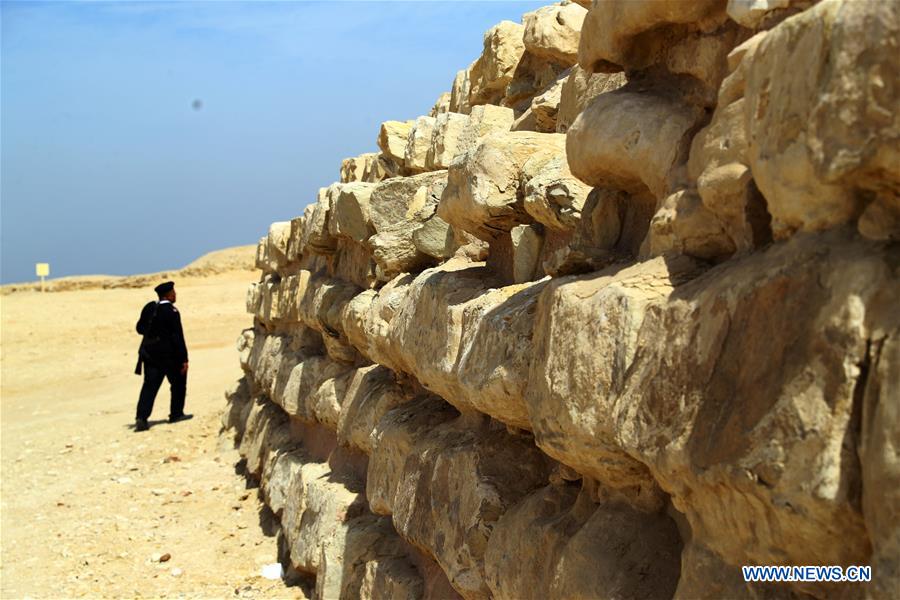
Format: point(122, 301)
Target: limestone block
point(455, 334)
point(322, 301)
point(495, 353)
point(254, 298)
point(390, 578)
point(266, 258)
point(634, 33)
point(350, 212)
point(352, 262)
point(352, 168)
point(372, 392)
point(629, 141)
point(327, 399)
point(879, 441)
point(265, 432)
point(368, 562)
point(261, 252)
point(743, 406)
point(750, 13)
point(705, 576)
point(393, 247)
point(880, 220)
point(436, 238)
point(525, 122)
point(283, 466)
point(301, 380)
point(553, 32)
point(289, 289)
point(245, 346)
point(354, 319)
point(393, 440)
point(422, 332)
point(718, 164)
point(484, 471)
point(448, 133)
point(459, 94)
point(441, 105)
point(380, 168)
point(339, 349)
point(557, 543)
point(545, 106)
point(295, 249)
point(277, 241)
point(370, 167)
point(578, 370)
point(704, 57)
point(418, 143)
point(578, 89)
point(316, 237)
point(395, 252)
point(482, 195)
point(683, 225)
point(392, 139)
point(494, 69)
point(553, 196)
point(366, 319)
point(399, 199)
point(527, 242)
point(316, 515)
point(265, 357)
point(483, 120)
point(533, 76)
point(804, 160)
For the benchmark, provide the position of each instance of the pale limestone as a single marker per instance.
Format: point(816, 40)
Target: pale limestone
point(494, 69)
point(418, 143)
point(482, 195)
point(553, 32)
point(392, 139)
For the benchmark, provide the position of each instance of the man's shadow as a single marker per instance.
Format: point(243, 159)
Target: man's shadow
point(149, 423)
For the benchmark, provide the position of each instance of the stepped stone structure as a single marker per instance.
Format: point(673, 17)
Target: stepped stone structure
point(618, 316)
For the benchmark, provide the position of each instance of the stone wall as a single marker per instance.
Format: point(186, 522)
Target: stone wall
point(617, 317)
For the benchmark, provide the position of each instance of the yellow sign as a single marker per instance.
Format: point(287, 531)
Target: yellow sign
point(42, 269)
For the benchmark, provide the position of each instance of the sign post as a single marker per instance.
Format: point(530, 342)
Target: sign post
point(42, 270)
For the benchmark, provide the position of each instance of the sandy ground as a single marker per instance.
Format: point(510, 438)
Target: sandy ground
point(86, 501)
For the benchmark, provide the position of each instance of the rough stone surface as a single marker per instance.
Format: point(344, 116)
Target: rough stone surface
point(448, 136)
point(494, 69)
point(577, 547)
point(497, 361)
point(634, 33)
point(418, 144)
point(482, 195)
point(808, 174)
point(459, 93)
point(553, 32)
point(471, 467)
point(578, 89)
point(631, 141)
point(553, 196)
point(392, 139)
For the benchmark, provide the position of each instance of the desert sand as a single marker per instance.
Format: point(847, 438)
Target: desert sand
point(86, 501)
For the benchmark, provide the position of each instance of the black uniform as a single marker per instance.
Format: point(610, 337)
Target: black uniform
point(163, 354)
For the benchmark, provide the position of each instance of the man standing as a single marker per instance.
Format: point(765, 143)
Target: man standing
point(163, 354)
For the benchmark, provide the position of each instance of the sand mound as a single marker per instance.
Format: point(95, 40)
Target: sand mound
point(237, 258)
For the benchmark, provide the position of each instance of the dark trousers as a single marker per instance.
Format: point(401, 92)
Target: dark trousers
point(154, 373)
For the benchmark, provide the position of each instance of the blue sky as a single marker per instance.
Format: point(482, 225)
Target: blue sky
point(108, 168)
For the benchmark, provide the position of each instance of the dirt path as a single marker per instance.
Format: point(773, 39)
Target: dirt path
point(86, 501)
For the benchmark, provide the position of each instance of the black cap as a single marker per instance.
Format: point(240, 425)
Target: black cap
point(164, 288)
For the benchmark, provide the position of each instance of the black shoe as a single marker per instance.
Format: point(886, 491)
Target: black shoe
point(141, 425)
point(181, 417)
